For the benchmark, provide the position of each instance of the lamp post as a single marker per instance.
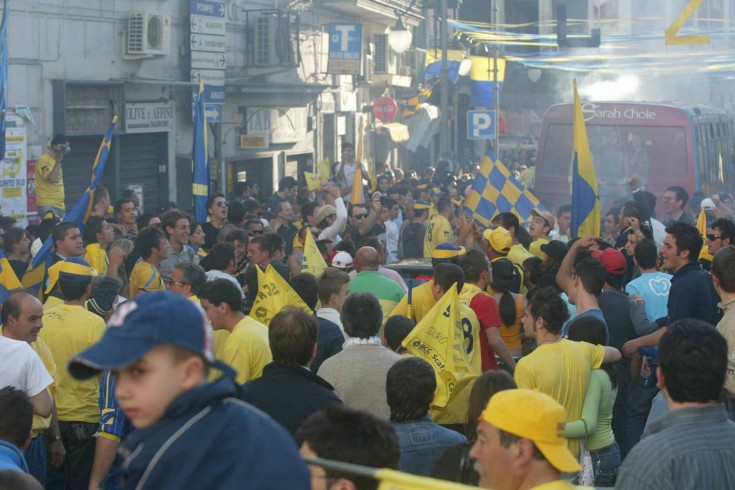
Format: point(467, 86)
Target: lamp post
point(444, 92)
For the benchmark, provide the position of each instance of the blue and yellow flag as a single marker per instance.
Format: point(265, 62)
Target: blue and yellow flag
point(585, 198)
point(433, 68)
point(482, 76)
point(4, 87)
point(8, 279)
point(442, 339)
point(496, 191)
point(78, 213)
point(312, 262)
point(200, 166)
point(274, 293)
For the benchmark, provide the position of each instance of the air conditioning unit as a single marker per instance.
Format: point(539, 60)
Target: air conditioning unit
point(266, 36)
point(367, 66)
point(149, 33)
point(382, 54)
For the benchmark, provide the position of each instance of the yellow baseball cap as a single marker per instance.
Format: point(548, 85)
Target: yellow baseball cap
point(499, 239)
point(535, 416)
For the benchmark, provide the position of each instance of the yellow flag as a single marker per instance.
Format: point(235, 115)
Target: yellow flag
point(702, 222)
point(322, 169)
point(274, 293)
point(395, 480)
point(356, 197)
point(446, 340)
point(312, 181)
point(313, 261)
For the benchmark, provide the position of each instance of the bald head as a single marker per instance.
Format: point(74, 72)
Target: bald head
point(21, 317)
point(367, 259)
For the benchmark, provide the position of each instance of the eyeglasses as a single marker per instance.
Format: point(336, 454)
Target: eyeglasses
point(171, 282)
point(256, 232)
point(221, 204)
point(712, 238)
point(360, 216)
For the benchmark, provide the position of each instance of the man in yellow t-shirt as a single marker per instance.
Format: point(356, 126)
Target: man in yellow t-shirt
point(421, 296)
point(558, 367)
point(439, 229)
point(542, 223)
point(68, 329)
point(246, 348)
point(21, 319)
point(145, 277)
point(50, 178)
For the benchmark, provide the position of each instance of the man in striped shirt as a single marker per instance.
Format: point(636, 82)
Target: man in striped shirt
point(692, 446)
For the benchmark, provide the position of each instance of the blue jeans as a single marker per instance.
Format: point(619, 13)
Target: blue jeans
point(659, 408)
point(60, 213)
point(35, 455)
point(606, 462)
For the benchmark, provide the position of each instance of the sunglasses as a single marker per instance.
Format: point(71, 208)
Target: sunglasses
point(360, 216)
point(712, 238)
point(171, 282)
point(256, 232)
point(221, 204)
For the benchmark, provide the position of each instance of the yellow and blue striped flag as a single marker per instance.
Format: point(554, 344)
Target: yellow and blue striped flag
point(8, 279)
point(482, 76)
point(200, 167)
point(585, 198)
point(496, 191)
point(433, 68)
point(78, 214)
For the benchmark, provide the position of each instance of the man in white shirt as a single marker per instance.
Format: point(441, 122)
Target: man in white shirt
point(223, 263)
point(344, 171)
point(21, 368)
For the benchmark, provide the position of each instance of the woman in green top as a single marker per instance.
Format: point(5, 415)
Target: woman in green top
point(597, 411)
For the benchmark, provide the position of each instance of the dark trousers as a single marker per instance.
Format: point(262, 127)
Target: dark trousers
point(641, 397)
point(79, 442)
point(35, 455)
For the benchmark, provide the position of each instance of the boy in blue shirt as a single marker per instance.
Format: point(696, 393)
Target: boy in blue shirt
point(190, 433)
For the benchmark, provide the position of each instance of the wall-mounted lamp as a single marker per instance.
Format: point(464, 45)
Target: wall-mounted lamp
point(399, 37)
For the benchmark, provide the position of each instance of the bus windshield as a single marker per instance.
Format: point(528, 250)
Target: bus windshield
point(619, 151)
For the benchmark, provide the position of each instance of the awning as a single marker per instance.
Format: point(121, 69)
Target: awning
point(398, 132)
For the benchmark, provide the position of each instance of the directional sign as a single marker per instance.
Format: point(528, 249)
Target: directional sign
point(205, 42)
point(201, 24)
point(209, 8)
point(345, 49)
point(480, 125)
point(213, 112)
point(209, 77)
point(207, 61)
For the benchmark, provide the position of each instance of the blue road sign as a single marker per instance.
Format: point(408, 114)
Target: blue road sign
point(481, 125)
point(345, 48)
point(213, 112)
point(208, 8)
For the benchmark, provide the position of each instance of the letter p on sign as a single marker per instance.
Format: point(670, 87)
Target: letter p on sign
point(480, 125)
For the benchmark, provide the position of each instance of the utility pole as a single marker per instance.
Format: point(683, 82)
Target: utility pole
point(444, 93)
point(496, 86)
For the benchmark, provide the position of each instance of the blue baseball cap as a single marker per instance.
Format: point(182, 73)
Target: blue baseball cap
point(140, 325)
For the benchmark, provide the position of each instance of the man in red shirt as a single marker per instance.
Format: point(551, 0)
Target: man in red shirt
point(478, 275)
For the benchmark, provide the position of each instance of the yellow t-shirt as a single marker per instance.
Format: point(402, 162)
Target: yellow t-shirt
point(456, 410)
point(146, 278)
point(518, 254)
point(48, 193)
point(247, 350)
point(422, 301)
point(438, 231)
point(51, 303)
point(561, 370)
point(97, 258)
point(67, 330)
point(535, 247)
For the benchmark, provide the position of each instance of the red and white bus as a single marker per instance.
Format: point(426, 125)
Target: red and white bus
point(664, 143)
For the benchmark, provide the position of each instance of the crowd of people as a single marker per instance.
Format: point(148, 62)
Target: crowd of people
point(142, 363)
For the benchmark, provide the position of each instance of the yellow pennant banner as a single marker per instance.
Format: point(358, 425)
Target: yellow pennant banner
point(312, 181)
point(322, 168)
point(446, 340)
point(395, 480)
point(313, 261)
point(274, 293)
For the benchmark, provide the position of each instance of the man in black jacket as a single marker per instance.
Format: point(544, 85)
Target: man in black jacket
point(288, 391)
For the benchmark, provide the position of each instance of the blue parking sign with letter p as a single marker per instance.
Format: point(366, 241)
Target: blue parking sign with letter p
point(481, 125)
